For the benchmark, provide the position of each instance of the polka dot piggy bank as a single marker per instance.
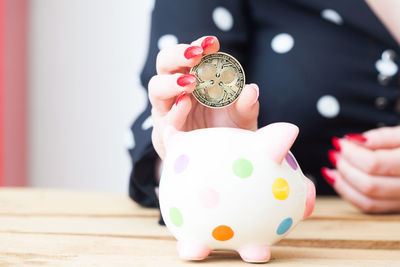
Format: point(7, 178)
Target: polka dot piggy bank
point(232, 189)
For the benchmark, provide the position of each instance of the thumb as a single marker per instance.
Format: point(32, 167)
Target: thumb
point(244, 111)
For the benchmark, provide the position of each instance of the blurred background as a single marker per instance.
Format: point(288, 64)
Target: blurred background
point(69, 91)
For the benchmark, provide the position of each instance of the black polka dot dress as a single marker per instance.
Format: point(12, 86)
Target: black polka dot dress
point(330, 67)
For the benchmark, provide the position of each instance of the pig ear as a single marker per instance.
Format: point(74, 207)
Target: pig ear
point(170, 134)
point(276, 139)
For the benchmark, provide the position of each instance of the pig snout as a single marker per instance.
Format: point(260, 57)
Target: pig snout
point(310, 199)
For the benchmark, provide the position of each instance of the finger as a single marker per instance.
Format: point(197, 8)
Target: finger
point(156, 134)
point(375, 162)
point(363, 202)
point(175, 117)
point(372, 186)
point(244, 111)
point(181, 57)
point(163, 90)
point(210, 44)
point(178, 58)
point(380, 138)
point(179, 112)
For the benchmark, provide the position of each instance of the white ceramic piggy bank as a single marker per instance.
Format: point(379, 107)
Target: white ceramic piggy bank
point(232, 189)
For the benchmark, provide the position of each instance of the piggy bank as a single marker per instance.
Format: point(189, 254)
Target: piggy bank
point(232, 189)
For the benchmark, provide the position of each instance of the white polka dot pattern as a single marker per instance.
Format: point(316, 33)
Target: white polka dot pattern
point(332, 16)
point(282, 43)
point(167, 40)
point(147, 124)
point(386, 67)
point(328, 106)
point(222, 18)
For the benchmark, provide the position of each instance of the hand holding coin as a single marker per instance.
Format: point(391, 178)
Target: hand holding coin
point(173, 93)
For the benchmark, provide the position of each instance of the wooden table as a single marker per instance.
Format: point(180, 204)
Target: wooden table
point(64, 228)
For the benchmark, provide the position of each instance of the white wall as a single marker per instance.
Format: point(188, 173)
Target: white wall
point(84, 92)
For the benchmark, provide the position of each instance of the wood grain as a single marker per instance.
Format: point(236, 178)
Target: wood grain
point(136, 226)
point(41, 227)
point(63, 250)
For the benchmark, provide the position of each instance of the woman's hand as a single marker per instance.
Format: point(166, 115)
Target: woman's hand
point(367, 170)
point(173, 104)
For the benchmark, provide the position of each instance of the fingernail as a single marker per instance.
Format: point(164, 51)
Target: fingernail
point(255, 86)
point(355, 137)
point(336, 143)
point(327, 176)
point(180, 97)
point(186, 79)
point(333, 157)
point(207, 42)
point(193, 51)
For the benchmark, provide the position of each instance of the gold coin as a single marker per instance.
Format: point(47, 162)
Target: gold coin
point(220, 80)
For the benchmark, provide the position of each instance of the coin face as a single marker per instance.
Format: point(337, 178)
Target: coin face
point(220, 80)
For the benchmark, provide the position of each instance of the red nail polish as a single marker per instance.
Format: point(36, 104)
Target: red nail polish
point(180, 97)
point(186, 79)
point(207, 42)
point(336, 143)
point(333, 157)
point(356, 137)
point(327, 176)
point(193, 51)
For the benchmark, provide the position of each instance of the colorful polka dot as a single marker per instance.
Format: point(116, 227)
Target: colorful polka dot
point(284, 226)
point(291, 161)
point(209, 198)
point(222, 233)
point(176, 216)
point(181, 163)
point(280, 189)
point(242, 168)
